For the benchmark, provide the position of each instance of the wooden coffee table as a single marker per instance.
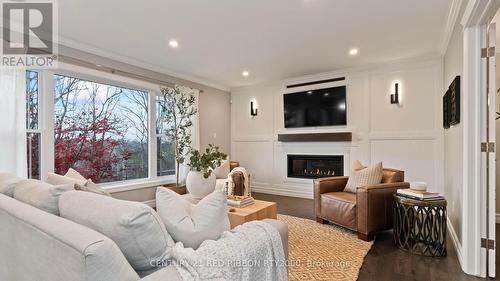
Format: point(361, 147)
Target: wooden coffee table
point(257, 211)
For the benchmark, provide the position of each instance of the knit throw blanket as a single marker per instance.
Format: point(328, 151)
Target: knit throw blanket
point(252, 251)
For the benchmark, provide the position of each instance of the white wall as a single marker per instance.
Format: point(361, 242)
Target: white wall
point(215, 120)
point(408, 136)
point(453, 137)
point(497, 130)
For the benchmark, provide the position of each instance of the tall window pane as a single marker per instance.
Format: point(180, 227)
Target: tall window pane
point(165, 158)
point(33, 152)
point(32, 100)
point(100, 130)
point(33, 145)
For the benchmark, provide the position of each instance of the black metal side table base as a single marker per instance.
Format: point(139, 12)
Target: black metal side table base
point(420, 226)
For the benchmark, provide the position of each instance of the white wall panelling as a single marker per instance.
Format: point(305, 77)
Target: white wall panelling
point(406, 136)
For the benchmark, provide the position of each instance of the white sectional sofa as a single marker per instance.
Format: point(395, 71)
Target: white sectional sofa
point(38, 245)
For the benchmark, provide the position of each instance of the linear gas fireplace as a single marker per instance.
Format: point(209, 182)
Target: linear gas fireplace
point(315, 166)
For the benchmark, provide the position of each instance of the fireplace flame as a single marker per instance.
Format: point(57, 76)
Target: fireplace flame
point(319, 172)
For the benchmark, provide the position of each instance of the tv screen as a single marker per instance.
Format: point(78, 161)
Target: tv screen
point(322, 107)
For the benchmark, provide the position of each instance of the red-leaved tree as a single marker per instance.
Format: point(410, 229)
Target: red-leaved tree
point(91, 149)
point(89, 136)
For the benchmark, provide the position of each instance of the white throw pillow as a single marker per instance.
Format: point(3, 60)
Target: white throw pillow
point(56, 179)
point(192, 224)
point(74, 174)
point(364, 177)
point(88, 185)
point(223, 170)
point(41, 195)
point(8, 183)
point(356, 166)
point(135, 227)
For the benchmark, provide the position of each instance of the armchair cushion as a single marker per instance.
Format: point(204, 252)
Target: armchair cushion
point(367, 176)
point(325, 185)
point(340, 207)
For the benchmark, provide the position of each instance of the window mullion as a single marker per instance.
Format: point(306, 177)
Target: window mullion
point(152, 151)
point(47, 122)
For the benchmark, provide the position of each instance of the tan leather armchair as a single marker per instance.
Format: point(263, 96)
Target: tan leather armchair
point(368, 211)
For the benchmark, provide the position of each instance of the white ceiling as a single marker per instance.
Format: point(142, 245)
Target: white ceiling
point(272, 39)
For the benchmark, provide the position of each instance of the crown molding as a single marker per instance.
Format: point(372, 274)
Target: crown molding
point(451, 21)
point(374, 68)
point(479, 12)
point(66, 42)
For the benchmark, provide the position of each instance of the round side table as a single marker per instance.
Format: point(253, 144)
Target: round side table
point(420, 226)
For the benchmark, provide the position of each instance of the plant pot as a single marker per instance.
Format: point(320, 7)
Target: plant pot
point(198, 186)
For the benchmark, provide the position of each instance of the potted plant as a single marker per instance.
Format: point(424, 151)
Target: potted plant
point(201, 180)
point(177, 107)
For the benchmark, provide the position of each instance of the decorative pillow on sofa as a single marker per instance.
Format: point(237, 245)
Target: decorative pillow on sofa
point(192, 224)
point(41, 195)
point(56, 179)
point(223, 170)
point(74, 174)
point(363, 177)
point(76, 179)
point(356, 166)
point(8, 183)
point(135, 227)
point(90, 186)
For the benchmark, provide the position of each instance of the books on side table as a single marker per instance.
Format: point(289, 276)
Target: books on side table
point(419, 194)
point(240, 203)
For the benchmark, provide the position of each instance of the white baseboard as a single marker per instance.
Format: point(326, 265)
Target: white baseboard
point(456, 242)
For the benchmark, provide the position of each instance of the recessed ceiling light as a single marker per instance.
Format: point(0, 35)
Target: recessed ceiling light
point(173, 43)
point(353, 52)
point(245, 73)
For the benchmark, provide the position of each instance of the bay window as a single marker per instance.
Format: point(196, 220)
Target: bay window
point(107, 130)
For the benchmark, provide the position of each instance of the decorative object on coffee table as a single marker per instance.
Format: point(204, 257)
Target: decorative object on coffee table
point(420, 225)
point(239, 185)
point(258, 211)
point(201, 180)
point(238, 189)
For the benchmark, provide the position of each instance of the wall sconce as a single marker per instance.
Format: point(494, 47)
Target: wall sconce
point(253, 111)
point(395, 96)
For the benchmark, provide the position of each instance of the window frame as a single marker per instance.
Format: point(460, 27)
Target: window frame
point(47, 119)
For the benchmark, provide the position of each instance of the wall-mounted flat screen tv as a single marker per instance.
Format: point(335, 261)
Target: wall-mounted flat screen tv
point(322, 107)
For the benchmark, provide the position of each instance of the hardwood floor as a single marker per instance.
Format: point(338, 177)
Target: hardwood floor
point(384, 261)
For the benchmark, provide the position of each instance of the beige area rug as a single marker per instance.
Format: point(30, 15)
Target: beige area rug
point(323, 251)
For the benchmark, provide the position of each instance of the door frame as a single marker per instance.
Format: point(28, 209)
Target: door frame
point(476, 18)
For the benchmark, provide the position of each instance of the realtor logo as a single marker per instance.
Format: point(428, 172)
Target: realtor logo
point(28, 34)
